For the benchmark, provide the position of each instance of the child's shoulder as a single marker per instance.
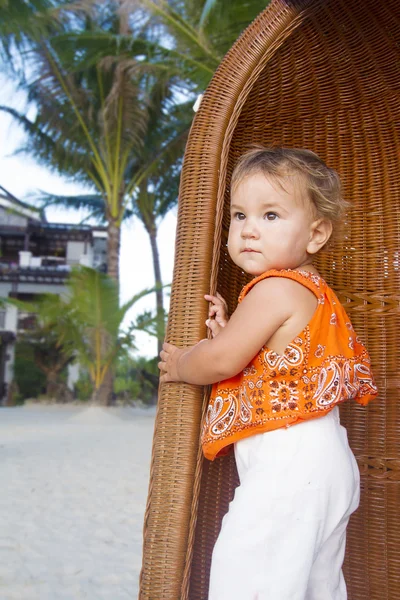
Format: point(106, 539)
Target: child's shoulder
point(282, 295)
point(284, 283)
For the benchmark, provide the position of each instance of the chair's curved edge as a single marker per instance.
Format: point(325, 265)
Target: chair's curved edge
point(204, 152)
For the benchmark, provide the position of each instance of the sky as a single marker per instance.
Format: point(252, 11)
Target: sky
point(21, 176)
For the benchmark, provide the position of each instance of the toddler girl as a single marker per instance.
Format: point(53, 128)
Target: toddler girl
point(280, 365)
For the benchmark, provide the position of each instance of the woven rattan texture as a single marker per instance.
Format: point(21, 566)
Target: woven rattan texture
point(321, 75)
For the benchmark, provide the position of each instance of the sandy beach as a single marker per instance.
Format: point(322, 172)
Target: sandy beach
point(73, 492)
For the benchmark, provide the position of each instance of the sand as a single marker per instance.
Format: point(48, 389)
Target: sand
point(72, 498)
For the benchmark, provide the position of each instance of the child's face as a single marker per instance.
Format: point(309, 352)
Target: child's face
point(271, 227)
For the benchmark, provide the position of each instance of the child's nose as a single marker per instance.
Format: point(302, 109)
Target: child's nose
point(249, 229)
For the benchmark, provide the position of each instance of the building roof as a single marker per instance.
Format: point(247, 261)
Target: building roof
point(7, 200)
point(37, 217)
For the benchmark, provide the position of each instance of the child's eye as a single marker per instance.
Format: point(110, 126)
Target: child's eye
point(270, 216)
point(239, 216)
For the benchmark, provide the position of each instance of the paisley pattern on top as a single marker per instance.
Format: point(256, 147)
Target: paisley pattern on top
point(324, 365)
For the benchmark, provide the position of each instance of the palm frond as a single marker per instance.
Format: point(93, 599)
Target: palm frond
point(195, 35)
point(83, 50)
point(207, 8)
point(92, 202)
point(22, 24)
point(183, 30)
point(124, 102)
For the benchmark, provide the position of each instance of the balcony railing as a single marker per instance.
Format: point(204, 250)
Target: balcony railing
point(51, 269)
point(11, 271)
point(40, 269)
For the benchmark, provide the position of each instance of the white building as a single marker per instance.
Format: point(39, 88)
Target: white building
point(36, 258)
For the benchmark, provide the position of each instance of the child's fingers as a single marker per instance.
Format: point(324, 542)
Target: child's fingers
point(164, 355)
point(220, 319)
point(213, 326)
point(222, 299)
point(211, 298)
point(218, 299)
point(217, 313)
point(213, 310)
point(218, 305)
point(168, 347)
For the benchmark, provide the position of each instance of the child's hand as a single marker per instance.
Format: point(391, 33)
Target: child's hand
point(218, 313)
point(168, 365)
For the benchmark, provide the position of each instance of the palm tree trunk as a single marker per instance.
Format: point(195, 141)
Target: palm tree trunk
point(52, 383)
point(52, 372)
point(103, 395)
point(158, 282)
point(113, 248)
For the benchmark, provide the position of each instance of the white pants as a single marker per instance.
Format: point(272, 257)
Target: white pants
point(284, 535)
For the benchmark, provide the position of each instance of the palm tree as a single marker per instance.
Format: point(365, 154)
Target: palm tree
point(90, 120)
point(50, 357)
point(160, 164)
point(83, 325)
point(190, 37)
point(42, 340)
point(156, 170)
point(95, 319)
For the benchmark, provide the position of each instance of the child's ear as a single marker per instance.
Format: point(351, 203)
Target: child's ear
point(320, 232)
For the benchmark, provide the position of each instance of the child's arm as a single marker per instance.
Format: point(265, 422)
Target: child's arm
point(265, 308)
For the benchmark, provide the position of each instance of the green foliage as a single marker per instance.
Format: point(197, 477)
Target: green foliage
point(21, 22)
point(84, 325)
point(83, 388)
point(30, 380)
point(136, 379)
point(126, 389)
point(191, 37)
point(41, 348)
point(93, 100)
point(150, 323)
point(95, 321)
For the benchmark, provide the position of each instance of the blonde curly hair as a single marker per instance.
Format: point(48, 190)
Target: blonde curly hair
point(321, 184)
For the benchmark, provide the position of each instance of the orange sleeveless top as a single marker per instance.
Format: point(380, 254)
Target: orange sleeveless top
point(324, 365)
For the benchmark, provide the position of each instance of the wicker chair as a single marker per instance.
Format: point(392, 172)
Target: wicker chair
point(324, 75)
